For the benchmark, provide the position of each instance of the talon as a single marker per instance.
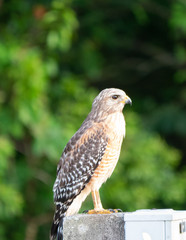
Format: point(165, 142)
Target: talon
point(119, 210)
point(112, 210)
point(115, 210)
point(85, 211)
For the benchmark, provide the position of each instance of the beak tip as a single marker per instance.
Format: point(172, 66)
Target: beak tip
point(128, 101)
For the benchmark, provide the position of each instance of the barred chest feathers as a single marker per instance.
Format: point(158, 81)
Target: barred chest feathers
point(116, 126)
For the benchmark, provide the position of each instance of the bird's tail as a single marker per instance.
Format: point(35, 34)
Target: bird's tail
point(57, 225)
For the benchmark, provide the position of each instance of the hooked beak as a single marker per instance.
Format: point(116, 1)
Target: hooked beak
point(127, 100)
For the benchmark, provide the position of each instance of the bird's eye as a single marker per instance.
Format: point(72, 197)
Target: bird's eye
point(115, 96)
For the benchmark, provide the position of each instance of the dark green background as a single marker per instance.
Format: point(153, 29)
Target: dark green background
point(55, 56)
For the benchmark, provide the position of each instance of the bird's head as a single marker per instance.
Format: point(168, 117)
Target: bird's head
point(110, 100)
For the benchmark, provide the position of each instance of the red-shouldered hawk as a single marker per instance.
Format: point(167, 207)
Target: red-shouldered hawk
point(90, 157)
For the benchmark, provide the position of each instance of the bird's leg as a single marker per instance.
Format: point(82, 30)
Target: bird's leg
point(97, 201)
point(98, 209)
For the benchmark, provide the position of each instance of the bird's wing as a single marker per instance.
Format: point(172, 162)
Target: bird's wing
point(78, 162)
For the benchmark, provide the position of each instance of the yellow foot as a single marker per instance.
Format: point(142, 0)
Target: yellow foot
point(102, 211)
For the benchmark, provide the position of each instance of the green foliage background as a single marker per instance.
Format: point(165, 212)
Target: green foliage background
point(55, 56)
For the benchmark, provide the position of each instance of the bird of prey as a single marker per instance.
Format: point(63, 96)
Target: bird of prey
point(90, 157)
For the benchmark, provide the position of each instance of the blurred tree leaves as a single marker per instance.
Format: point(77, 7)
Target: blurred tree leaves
point(60, 23)
point(11, 200)
point(178, 17)
point(178, 23)
point(53, 56)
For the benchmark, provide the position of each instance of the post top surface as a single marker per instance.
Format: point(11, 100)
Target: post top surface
point(138, 215)
point(155, 215)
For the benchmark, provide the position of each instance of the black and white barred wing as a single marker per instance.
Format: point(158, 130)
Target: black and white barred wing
point(78, 162)
point(80, 158)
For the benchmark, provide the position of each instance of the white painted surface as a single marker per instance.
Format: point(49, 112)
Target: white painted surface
point(159, 224)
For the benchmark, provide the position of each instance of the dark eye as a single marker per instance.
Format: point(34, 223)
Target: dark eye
point(115, 96)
